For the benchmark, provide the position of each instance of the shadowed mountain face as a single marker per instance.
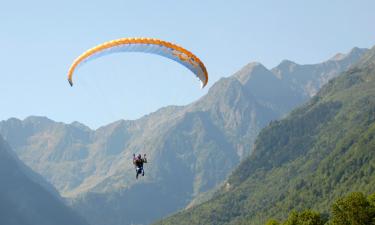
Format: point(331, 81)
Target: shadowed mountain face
point(191, 149)
point(318, 153)
point(24, 200)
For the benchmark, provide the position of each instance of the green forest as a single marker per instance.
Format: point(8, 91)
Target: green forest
point(321, 152)
point(353, 209)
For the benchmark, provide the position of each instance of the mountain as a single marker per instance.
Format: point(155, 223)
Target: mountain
point(26, 201)
point(191, 149)
point(318, 153)
point(308, 79)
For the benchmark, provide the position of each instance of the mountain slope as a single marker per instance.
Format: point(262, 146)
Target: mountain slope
point(191, 149)
point(318, 153)
point(26, 202)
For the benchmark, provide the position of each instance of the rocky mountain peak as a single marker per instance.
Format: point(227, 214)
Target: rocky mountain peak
point(286, 66)
point(354, 53)
point(250, 70)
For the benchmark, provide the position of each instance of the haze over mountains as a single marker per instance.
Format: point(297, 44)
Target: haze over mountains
point(191, 149)
point(26, 199)
point(318, 153)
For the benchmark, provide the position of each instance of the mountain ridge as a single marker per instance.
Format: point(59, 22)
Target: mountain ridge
point(199, 144)
point(319, 152)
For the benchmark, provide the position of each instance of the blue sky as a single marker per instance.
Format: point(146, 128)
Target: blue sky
point(40, 39)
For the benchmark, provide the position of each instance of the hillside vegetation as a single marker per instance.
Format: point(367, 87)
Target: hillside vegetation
point(317, 154)
point(353, 209)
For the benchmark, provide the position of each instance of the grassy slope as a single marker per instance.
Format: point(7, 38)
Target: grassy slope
point(318, 153)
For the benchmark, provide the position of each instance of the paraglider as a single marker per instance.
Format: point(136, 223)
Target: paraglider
point(146, 45)
point(138, 163)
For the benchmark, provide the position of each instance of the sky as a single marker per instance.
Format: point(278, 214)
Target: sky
point(40, 39)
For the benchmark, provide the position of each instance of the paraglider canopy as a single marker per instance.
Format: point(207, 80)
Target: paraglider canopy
point(146, 45)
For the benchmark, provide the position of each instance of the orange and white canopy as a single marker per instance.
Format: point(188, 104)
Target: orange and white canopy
point(146, 45)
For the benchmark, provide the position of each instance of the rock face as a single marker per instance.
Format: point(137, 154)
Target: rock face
point(307, 79)
point(24, 198)
point(191, 149)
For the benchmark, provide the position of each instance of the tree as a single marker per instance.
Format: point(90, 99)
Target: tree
point(272, 222)
point(354, 209)
point(306, 217)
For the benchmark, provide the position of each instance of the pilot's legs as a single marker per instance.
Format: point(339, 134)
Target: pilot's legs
point(138, 171)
